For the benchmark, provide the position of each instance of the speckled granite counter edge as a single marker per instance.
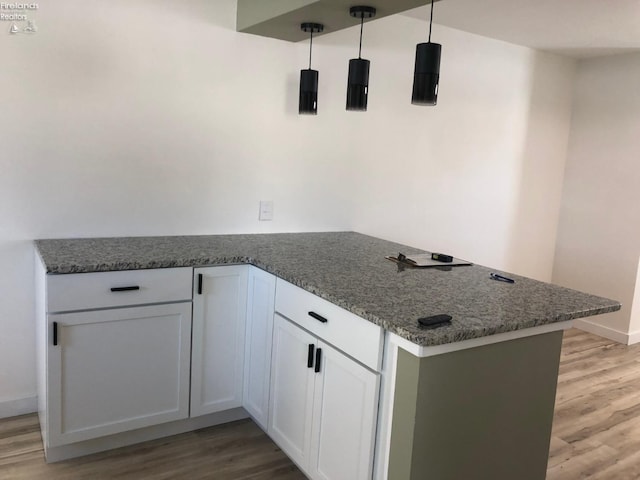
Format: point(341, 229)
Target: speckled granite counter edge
point(429, 341)
point(424, 340)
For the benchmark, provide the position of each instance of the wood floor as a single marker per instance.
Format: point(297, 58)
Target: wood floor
point(596, 427)
point(596, 433)
point(234, 451)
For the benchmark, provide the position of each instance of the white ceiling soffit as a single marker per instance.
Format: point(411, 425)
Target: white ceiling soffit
point(576, 28)
point(282, 18)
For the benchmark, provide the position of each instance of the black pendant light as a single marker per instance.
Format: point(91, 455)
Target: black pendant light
point(426, 75)
point(358, 83)
point(308, 104)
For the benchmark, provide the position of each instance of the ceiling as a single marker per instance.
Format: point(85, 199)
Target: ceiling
point(576, 28)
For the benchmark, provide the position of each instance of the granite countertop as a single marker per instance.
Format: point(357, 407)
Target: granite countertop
point(349, 270)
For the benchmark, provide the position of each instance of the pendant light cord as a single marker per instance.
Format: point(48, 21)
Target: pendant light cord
point(310, 48)
point(431, 20)
point(361, 29)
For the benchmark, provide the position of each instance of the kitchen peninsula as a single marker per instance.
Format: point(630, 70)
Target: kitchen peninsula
point(473, 399)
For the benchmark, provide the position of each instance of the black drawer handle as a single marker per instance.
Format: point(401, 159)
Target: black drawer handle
point(310, 356)
point(55, 333)
point(125, 289)
point(318, 360)
point(320, 318)
point(199, 284)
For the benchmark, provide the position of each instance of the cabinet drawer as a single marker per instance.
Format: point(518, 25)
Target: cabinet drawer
point(83, 291)
point(353, 335)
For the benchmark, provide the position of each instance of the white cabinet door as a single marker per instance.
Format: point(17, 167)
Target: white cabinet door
point(259, 331)
point(115, 370)
point(292, 383)
point(219, 308)
point(344, 418)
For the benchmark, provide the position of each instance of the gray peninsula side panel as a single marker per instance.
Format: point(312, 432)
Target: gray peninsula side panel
point(481, 413)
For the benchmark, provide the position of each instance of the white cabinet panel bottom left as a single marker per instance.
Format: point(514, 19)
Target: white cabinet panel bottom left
point(113, 357)
point(115, 370)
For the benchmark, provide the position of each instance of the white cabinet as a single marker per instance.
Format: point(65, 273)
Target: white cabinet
point(116, 369)
point(258, 336)
point(120, 360)
point(217, 348)
point(324, 385)
point(344, 418)
point(323, 405)
point(292, 385)
point(360, 339)
point(126, 356)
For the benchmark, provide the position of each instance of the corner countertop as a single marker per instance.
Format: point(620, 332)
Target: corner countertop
point(349, 270)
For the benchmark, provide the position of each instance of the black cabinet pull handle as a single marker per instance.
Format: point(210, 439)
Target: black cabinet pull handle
point(310, 356)
point(318, 359)
point(199, 284)
point(320, 318)
point(125, 289)
point(55, 333)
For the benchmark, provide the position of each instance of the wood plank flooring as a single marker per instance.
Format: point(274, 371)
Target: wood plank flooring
point(238, 450)
point(596, 426)
point(596, 433)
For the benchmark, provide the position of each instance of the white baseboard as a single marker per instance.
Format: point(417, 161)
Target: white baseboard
point(19, 406)
point(606, 332)
point(634, 338)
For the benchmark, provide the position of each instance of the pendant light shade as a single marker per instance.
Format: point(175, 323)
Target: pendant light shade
point(308, 101)
point(358, 80)
point(308, 104)
point(426, 75)
point(358, 84)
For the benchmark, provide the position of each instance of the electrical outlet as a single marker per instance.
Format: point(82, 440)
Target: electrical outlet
point(266, 210)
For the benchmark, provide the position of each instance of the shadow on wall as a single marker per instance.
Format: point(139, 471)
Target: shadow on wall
point(18, 372)
point(221, 13)
point(542, 162)
point(598, 235)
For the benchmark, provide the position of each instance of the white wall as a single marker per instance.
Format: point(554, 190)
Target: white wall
point(598, 243)
point(149, 118)
point(155, 117)
point(479, 175)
